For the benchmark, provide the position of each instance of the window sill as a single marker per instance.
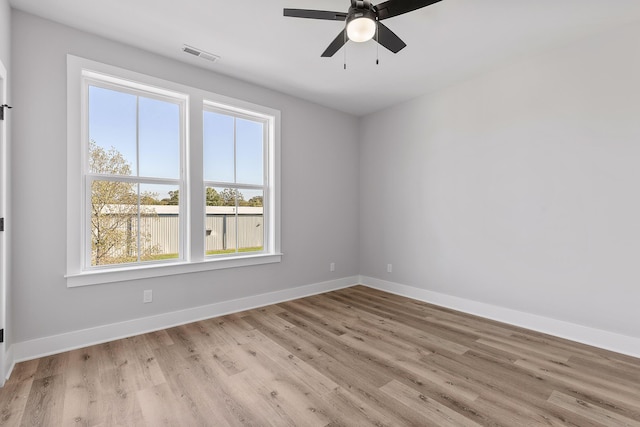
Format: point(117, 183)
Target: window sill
point(159, 270)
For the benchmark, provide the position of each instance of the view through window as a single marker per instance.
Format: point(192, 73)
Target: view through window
point(234, 147)
point(134, 158)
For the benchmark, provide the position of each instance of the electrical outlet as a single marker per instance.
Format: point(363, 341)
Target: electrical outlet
point(332, 266)
point(147, 296)
point(389, 268)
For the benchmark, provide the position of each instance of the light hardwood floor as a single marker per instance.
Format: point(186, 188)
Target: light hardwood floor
point(353, 357)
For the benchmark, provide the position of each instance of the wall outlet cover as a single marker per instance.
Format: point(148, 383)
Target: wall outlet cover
point(147, 296)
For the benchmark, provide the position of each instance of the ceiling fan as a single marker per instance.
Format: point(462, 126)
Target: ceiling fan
point(363, 22)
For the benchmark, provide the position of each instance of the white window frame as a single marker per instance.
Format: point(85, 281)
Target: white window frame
point(267, 122)
point(90, 78)
point(192, 202)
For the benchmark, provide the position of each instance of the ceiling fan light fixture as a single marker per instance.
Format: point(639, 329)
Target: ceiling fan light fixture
point(361, 25)
point(361, 29)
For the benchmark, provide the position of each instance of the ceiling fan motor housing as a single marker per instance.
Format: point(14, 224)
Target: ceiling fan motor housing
point(355, 13)
point(362, 6)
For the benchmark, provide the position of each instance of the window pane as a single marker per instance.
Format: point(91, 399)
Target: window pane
point(159, 222)
point(119, 236)
point(218, 147)
point(112, 131)
point(231, 229)
point(249, 152)
point(220, 222)
point(114, 212)
point(251, 221)
point(159, 127)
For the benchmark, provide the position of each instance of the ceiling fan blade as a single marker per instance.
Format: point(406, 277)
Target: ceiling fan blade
point(315, 14)
point(336, 44)
point(391, 8)
point(388, 39)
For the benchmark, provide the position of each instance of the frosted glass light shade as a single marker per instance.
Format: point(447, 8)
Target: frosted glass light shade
point(361, 29)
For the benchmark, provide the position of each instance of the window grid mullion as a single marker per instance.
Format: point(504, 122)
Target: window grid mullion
point(88, 226)
point(139, 219)
point(265, 182)
point(134, 179)
point(138, 175)
point(235, 179)
point(231, 184)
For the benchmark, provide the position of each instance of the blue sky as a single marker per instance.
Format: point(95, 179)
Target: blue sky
point(218, 149)
point(112, 123)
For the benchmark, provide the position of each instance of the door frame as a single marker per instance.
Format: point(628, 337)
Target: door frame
point(3, 237)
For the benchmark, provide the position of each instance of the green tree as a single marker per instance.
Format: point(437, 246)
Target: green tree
point(173, 199)
point(114, 212)
point(149, 199)
point(255, 201)
point(229, 196)
point(213, 198)
point(225, 198)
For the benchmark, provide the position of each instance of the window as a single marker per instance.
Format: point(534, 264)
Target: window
point(133, 163)
point(165, 178)
point(234, 147)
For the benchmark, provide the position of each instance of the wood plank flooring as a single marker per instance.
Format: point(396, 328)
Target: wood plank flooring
point(353, 357)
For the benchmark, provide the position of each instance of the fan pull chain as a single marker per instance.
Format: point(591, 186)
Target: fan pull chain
point(377, 43)
point(345, 50)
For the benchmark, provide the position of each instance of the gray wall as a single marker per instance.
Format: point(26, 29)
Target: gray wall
point(518, 188)
point(319, 154)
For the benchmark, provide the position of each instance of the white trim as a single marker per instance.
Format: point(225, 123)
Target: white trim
point(126, 85)
point(40, 347)
point(139, 271)
point(5, 357)
point(45, 346)
point(267, 121)
point(9, 364)
point(583, 334)
point(192, 207)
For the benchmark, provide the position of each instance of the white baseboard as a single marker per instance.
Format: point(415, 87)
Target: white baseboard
point(598, 338)
point(9, 363)
point(27, 350)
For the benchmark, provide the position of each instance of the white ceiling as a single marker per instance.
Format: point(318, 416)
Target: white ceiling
point(446, 42)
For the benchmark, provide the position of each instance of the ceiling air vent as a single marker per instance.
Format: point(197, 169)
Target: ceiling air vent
point(200, 53)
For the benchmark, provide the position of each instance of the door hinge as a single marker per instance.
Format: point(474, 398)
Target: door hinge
point(1, 335)
point(2, 107)
point(1, 224)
